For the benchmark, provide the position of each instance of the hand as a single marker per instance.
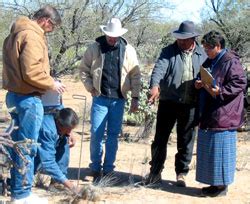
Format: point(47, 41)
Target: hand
point(71, 141)
point(134, 105)
point(72, 187)
point(59, 87)
point(213, 91)
point(76, 190)
point(198, 84)
point(94, 92)
point(154, 94)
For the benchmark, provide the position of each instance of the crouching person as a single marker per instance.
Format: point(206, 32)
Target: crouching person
point(55, 138)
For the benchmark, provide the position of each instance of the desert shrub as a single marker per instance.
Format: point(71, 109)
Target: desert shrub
point(146, 115)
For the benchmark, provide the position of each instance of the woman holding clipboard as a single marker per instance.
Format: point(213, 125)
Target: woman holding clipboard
point(221, 115)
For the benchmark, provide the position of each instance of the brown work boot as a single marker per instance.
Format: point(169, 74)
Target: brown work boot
point(180, 180)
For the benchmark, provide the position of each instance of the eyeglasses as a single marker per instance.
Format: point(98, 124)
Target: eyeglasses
point(208, 48)
point(53, 23)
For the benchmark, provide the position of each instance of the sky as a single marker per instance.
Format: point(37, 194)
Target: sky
point(186, 10)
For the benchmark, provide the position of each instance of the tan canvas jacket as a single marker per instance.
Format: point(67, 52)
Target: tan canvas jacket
point(25, 59)
point(91, 70)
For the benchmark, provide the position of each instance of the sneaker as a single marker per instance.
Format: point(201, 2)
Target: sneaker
point(180, 180)
point(31, 199)
point(214, 191)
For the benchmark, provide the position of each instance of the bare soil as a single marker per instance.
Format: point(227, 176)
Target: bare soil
point(132, 165)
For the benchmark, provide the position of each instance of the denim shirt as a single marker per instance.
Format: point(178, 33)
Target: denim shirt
point(48, 137)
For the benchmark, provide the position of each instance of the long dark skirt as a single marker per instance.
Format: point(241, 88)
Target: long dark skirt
point(216, 157)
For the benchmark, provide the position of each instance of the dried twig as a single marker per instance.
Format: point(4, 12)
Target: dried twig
point(19, 147)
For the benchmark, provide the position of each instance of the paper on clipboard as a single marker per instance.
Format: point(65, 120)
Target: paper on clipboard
point(51, 98)
point(206, 77)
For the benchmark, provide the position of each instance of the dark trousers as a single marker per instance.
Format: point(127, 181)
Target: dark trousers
point(168, 113)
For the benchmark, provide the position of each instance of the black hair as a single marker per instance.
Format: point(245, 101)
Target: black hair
point(213, 38)
point(67, 117)
point(48, 12)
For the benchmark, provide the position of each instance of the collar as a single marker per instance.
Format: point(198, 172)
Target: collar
point(218, 57)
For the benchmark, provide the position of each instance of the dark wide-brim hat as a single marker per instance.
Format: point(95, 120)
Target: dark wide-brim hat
point(186, 30)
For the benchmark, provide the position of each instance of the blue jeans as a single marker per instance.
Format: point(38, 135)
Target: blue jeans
point(62, 154)
point(28, 115)
point(105, 113)
point(53, 153)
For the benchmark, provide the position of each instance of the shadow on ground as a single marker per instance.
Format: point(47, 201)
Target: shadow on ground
point(121, 179)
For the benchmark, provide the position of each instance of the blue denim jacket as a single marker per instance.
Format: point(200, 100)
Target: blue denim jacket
point(48, 151)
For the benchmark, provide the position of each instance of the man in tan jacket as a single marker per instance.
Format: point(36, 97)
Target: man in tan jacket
point(109, 69)
point(26, 76)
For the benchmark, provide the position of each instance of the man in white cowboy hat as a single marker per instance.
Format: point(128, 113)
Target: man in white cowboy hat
point(109, 69)
point(172, 81)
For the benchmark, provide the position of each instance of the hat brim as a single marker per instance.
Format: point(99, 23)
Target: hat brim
point(118, 33)
point(183, 36)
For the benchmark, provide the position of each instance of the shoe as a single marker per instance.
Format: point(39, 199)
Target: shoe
point(204, 190)
point(214, 191)
point(108, 174)
point(151, 180)
point(42, 180)
point(31, 199)
point(109, 179)
point(56, 186)
point(180, 180)
point(97, 176)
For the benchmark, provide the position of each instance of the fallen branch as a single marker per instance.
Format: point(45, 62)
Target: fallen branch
point(21, 148)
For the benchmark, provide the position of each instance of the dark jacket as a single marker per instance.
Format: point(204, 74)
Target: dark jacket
point(92, 65)
point(225, 112)
point(168, 72)
point(111, 72)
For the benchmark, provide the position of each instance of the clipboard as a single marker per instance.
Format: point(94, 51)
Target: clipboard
point(206, 76)
point(51, 98)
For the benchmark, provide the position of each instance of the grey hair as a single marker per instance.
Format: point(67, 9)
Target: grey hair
point(48, 12)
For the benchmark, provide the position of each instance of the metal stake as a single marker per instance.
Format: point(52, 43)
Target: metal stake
point(84, 98)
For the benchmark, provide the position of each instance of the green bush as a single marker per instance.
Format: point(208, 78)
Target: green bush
point(146, 115)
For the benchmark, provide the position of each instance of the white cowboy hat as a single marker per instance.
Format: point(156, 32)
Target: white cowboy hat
point(113, 28)
point(186, 30)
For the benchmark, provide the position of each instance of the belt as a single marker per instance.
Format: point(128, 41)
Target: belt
point(48, 111)
point(35, 94)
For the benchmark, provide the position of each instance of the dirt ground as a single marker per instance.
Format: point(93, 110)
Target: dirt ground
point(132, 164)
